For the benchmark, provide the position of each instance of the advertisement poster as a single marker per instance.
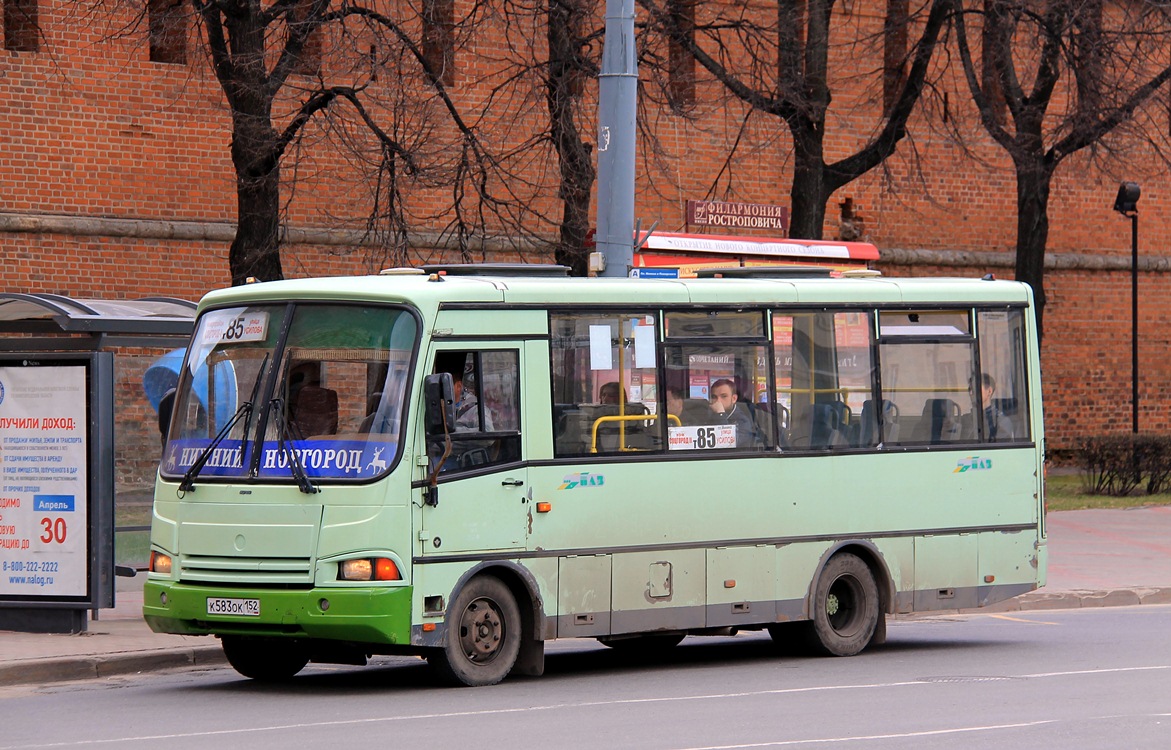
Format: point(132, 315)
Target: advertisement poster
point(43, 508)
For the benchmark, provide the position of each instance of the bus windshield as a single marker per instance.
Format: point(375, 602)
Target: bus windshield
point(301, 391)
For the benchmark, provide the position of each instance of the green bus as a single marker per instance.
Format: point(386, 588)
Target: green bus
point(462, 463)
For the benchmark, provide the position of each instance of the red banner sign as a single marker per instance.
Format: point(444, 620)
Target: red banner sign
point(738, 215)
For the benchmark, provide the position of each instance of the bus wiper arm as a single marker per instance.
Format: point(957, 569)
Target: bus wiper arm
point(245, 410)
point(188, 483)
point(284, 446)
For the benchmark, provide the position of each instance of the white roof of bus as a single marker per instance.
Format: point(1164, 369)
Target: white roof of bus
point(424, 293)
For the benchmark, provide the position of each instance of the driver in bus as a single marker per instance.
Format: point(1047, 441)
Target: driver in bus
point(725, 404)
point(464, 453)
point(467, 411)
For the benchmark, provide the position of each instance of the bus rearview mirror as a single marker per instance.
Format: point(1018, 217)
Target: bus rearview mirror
point(439, 395)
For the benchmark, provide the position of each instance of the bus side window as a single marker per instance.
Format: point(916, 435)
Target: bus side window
point(604, 389)
point(487, 409)
point(1002, 358)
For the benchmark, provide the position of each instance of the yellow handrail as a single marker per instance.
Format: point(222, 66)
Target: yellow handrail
point(623, 419)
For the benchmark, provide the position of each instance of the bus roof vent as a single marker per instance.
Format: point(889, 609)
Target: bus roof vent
point(861, 273)
point(497, 269)
point(400, 271)
point(764, 272)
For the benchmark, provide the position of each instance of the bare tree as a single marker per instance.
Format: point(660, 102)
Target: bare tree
point(393, 106)
point(782, 69)
point(1069, 73)
point(571, 33)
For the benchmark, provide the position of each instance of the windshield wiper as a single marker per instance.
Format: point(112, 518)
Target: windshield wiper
point(284, 445)
point(188, 483)
point(244, 412)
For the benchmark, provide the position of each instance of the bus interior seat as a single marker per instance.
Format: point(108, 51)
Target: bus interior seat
point(313, 411)
point(610, 434)
point(868, 434)
point(570, 430)
point(939, 423)
point(575, 428)
point(697, 411)
point(829, 423)
point(1009, 408)
point(819, 426)
point(367, 423)
point(762, 419)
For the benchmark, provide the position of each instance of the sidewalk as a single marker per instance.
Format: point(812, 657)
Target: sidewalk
point(1096, 558)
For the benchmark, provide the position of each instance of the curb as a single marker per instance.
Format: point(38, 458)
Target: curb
point(1082, 599)
point(91, 666)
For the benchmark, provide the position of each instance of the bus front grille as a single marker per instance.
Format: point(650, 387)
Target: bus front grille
point(246, 570)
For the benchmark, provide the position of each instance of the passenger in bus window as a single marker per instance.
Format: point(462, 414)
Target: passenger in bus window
point(675, 401)
point(725, 403)
point(609, 393)
point(996, 422)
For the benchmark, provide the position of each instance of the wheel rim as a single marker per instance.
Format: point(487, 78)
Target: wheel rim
point(481, 631)
point(842, 610)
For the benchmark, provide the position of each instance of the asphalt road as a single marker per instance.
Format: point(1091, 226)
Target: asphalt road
point(1070, 679)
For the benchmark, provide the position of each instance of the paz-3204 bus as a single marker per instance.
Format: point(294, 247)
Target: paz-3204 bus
point(466, 465)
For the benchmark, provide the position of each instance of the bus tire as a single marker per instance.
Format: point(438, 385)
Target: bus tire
point(483, 635)
point(794, 638)
point(263, 659)
point(845, 606)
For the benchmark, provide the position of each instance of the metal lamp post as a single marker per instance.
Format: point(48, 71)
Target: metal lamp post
point(1126, 203)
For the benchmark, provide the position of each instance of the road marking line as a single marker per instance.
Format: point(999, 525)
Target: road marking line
point(587, 704)
point(1021, 619)
point(872, 737)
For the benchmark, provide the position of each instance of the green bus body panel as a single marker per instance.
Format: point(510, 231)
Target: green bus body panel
point(256, 530)
point(359, 615)
point(664, 542)
point(780, 497)
point(476, 323)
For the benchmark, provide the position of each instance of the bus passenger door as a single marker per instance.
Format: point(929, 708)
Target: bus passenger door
point(480, 501)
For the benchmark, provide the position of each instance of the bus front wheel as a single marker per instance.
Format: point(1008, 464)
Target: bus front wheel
point(845, 606)
point(483, 635)
point(265, 660)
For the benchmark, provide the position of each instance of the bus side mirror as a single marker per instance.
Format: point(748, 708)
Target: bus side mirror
point(439, 394)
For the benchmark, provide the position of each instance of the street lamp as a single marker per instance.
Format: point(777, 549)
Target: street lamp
point(1127, 204)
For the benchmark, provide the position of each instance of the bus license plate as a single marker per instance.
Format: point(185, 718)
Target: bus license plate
point(242, 607)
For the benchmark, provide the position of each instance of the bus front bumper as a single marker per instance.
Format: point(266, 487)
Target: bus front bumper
point(360, 615)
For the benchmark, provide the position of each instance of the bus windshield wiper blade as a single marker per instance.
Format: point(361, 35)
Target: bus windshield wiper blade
point(284, 446)
point(188, 483)
point(245, 412)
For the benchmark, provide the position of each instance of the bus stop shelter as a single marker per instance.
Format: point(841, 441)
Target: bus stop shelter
point(60, 400)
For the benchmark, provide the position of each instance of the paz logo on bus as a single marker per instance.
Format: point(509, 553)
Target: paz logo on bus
point(972, 463)
point(584, 479)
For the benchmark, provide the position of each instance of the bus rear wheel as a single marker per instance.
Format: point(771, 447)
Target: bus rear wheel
point(263, 659)
point(845, 606)
point(483, 635)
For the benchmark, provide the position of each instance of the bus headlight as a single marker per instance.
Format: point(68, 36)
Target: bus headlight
point(160, 563)
point(368, 569)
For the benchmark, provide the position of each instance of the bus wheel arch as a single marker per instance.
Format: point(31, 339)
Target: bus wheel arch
point(527, 628)
point(482, 637)
point(848, 599)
